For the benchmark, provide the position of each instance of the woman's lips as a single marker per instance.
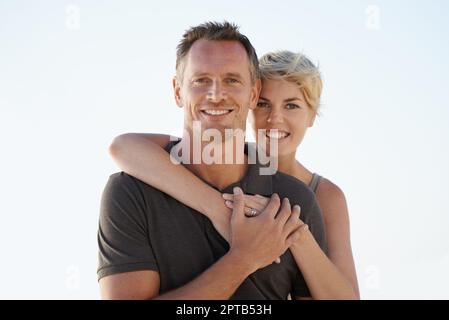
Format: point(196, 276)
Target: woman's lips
point(277, 134)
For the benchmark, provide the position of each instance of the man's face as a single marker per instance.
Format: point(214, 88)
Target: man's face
point(216, 88)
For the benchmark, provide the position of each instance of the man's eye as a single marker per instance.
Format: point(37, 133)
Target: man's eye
point(292, 106)
point(232, 80)
point(200, 81)
point(262, 105)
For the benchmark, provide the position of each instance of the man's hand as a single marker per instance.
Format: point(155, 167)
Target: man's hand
point(265, 237)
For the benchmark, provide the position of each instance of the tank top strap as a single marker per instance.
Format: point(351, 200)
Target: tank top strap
point(316, 179)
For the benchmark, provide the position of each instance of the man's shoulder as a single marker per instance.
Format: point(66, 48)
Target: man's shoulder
point(289, 184)
point(123, 181)
point(296, 191)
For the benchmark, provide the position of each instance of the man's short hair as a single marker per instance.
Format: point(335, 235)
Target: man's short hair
point(215, 31)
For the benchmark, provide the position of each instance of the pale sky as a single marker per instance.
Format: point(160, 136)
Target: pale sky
point(74, 74)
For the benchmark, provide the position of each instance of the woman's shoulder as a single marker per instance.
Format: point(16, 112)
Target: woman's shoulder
point(331, 198)
point(330, 190)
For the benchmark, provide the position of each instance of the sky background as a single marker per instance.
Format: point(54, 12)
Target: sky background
point(74, 74)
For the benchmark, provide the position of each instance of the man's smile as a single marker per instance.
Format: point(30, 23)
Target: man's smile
point(216, 114)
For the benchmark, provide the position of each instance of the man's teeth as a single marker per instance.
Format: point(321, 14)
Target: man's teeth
point(216, 112)
point(277, 135)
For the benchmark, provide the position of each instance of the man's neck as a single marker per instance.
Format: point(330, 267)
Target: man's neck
point(221, 174)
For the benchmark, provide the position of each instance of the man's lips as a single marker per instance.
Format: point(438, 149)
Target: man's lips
point(216, 112)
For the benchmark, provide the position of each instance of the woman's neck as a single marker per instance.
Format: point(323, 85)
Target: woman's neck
point(289, 165)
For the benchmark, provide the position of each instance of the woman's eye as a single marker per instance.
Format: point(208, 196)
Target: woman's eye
point(292, 106)
point(262, 105)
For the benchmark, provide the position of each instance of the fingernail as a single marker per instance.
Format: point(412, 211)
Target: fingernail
point(237, 190)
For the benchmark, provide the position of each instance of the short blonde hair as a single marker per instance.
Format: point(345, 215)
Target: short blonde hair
point(296, 68)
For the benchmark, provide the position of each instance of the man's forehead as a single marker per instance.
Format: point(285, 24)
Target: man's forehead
point(210, 50)
point(207, 53)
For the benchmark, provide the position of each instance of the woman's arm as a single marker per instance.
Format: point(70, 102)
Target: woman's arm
point(143, 156)
point(332, 276)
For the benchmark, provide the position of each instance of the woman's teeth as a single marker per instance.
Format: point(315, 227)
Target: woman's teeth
point(216, 112)
point(277, 134)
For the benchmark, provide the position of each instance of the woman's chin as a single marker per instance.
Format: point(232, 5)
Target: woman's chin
point(283, 149)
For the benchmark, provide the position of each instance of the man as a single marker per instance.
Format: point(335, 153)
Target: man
point(154, 247)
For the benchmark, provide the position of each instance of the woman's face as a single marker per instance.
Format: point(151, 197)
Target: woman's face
point(282, 106)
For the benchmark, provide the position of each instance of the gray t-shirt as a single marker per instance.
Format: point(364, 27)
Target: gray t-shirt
point(142, 228)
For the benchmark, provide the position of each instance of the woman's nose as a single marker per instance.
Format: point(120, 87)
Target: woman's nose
point(275, 117)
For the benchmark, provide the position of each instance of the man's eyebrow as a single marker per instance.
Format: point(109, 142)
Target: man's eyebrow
point(228, 74)
point(233, 74)
point(201, 74)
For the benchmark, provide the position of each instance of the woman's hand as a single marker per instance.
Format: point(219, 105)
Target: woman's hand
point(256, 202)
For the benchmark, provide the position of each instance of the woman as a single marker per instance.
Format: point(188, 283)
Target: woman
point(288, 102)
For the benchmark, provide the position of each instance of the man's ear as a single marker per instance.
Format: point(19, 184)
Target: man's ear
point(255, 92)
point(177, 91)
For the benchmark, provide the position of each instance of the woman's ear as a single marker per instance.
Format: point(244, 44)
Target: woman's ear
point(312, 119)
point(177, 91)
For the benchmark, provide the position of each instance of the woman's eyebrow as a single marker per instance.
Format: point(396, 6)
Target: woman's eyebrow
point(292, 99)
point(262, 98)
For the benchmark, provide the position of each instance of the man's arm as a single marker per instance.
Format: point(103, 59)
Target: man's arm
point(254, 244)
point(218, 282)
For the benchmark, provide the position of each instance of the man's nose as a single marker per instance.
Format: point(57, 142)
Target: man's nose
point(216, 92)
point(275, 116)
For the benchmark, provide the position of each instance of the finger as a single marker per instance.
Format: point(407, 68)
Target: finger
point(284, 212)
point(229, 204)
point(253, 202)
point(273, 206)
point(278, 260)
point(293, 221)
point(239, 204)
point(228, 196)
point(262, 201)
point(299, 207)
point(250, 213)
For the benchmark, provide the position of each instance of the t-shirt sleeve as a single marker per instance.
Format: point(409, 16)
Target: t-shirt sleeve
point(123, 239)
point(316, 226)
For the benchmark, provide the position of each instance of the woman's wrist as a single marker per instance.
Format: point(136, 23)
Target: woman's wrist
point(213, 204)
point(304, 242)
point(215, 209)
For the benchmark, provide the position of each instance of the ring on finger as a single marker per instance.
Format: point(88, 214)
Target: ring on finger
point(252, 213)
